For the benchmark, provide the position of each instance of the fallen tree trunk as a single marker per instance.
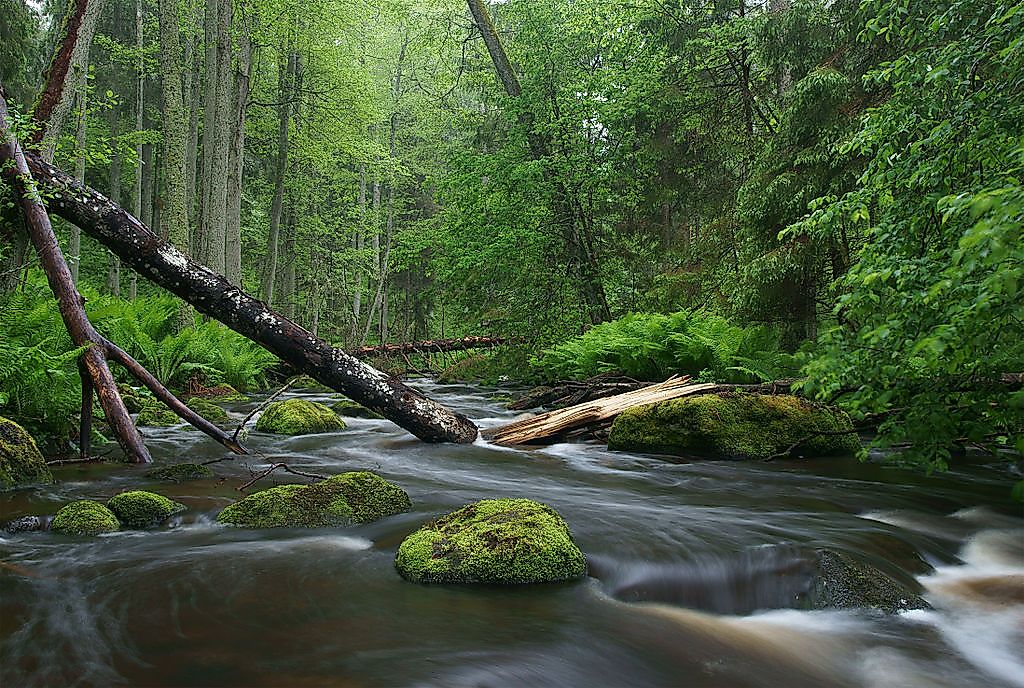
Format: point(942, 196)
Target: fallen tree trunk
point(432, 346)
point(212, 294)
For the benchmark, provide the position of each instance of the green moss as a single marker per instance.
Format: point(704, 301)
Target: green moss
point(305, 382)
point(353, 409)
point(735, 425)
point(157, 417)
point(141, 509)
point(357, 497)
point(20, 460)
point(492, 541)
point(84, 517)
point(843, 582)
point(224, 394)
point(298, 417)
point(180, 472)
point(208, 410)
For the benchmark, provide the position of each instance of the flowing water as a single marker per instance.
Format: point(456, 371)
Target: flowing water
point(694, 567)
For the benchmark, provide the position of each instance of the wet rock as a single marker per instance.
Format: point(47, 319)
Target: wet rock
point(180, 472)
point(84, 517)
point(353, 409)
point(208, 410)
point(504, 541)
point(842, 582)
point(355, 497)
point(141, 509)
point(157, 417)
point(298, 417)
point(27, 524)
point(735, 425)
point(20, 460)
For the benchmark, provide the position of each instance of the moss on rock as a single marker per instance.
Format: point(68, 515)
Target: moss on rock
point(84, 517)
point(20, 460)
point(157, 417)
point(492, 541)
point(298, 417)
point(224, 393)
point(208, 410)
point(180, 472)
point(357, 497)
point(735, 425)
point(141, 509)
point(842, 582)
point(353, 409)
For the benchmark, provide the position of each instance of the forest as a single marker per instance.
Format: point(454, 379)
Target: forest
point(631, 235)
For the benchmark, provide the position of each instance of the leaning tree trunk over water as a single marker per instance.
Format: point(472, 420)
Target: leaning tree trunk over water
point(213, 295)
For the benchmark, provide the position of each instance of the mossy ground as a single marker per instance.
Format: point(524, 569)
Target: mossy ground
point(352, 409)
point(141, 509)
point(157, 417)
point(20, 460)
point(180, 472)
point(84, 517)
point(208, 410)
point(735, 425)
point(223, 394)
point(298, 417)
point(504, 541)
point(356, 497)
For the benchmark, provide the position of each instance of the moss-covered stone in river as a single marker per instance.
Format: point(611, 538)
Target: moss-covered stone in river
point(180, 472)
point(298, 417)
point(353, 409)
point(223, 393)
point(157, 417)
point(208, 410)
point(842, 582)
point(20, 460)
point(357, 497)
point(84, 517)
point(141, 509)
point(493, 541)
point(735, 425)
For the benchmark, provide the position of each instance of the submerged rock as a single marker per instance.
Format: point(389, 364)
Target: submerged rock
point(356, 497)
point(180, 472)
point(141, 509)
point(735, 425)
point(842, 582)
point(353, 409)
point(27, 524)
point(208, 410)
point(84, 517)
point(20, 460)
point(157, 417)
point(493, 541)
point(298, 417)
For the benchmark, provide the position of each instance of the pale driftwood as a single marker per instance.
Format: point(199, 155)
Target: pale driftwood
point(555, 423)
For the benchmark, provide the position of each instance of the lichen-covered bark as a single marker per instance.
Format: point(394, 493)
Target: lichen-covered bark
point(213, 295)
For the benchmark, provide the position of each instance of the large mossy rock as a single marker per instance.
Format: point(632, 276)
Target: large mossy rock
point(20, 460)
point(505, 541)
point(735, 425)
point(140, 509)
point(842, 582)
point(84, 517)
point(298, 417)
point(208, 410)
point(157, 417)
point(180, 472)
point(356, 497)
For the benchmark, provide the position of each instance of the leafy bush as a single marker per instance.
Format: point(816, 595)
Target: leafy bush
point(651, 346)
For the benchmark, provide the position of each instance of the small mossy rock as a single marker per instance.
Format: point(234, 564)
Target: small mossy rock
point(141, 509)
point(505, 541)
point(357, 497)
point(133, 400)
point(298, 417)
point(353, 409)
point(180, 472)
point(157, 417)
point(305, 382)
point(84, 517)
point(842, 582)
point(735, 425)
point(20, 460)
point(224, 393)
point(208, 410)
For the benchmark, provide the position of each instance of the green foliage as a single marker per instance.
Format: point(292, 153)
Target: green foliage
point(649, 346)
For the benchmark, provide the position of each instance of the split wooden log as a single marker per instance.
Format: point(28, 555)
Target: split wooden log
point(554, 423)
point(212, 294)
point(432, 346)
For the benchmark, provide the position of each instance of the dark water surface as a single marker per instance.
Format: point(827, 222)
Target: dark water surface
point(693, 565)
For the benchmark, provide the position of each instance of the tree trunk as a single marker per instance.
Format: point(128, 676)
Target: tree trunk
point(285, 75)
point(215, 222)
point(213, 295)
point(75, 242)
point(140, 124)
point(236, 160)
point(193, 79)
point(113, 262)
point(210, 75)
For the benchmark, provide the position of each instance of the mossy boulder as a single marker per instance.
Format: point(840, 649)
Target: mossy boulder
point(842, 582)
point(735, 425)
point(298, 417)
point(356, 497)
point(305, 382)
point(504, 541)
point(84, 517)
point(157, 417)
point(134, 401)
point(353, 409)
point(20, 460)
point(141, 509)
point(180, 472)
point(208, 410)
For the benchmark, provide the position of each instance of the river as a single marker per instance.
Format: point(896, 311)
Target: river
point(691, 574)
